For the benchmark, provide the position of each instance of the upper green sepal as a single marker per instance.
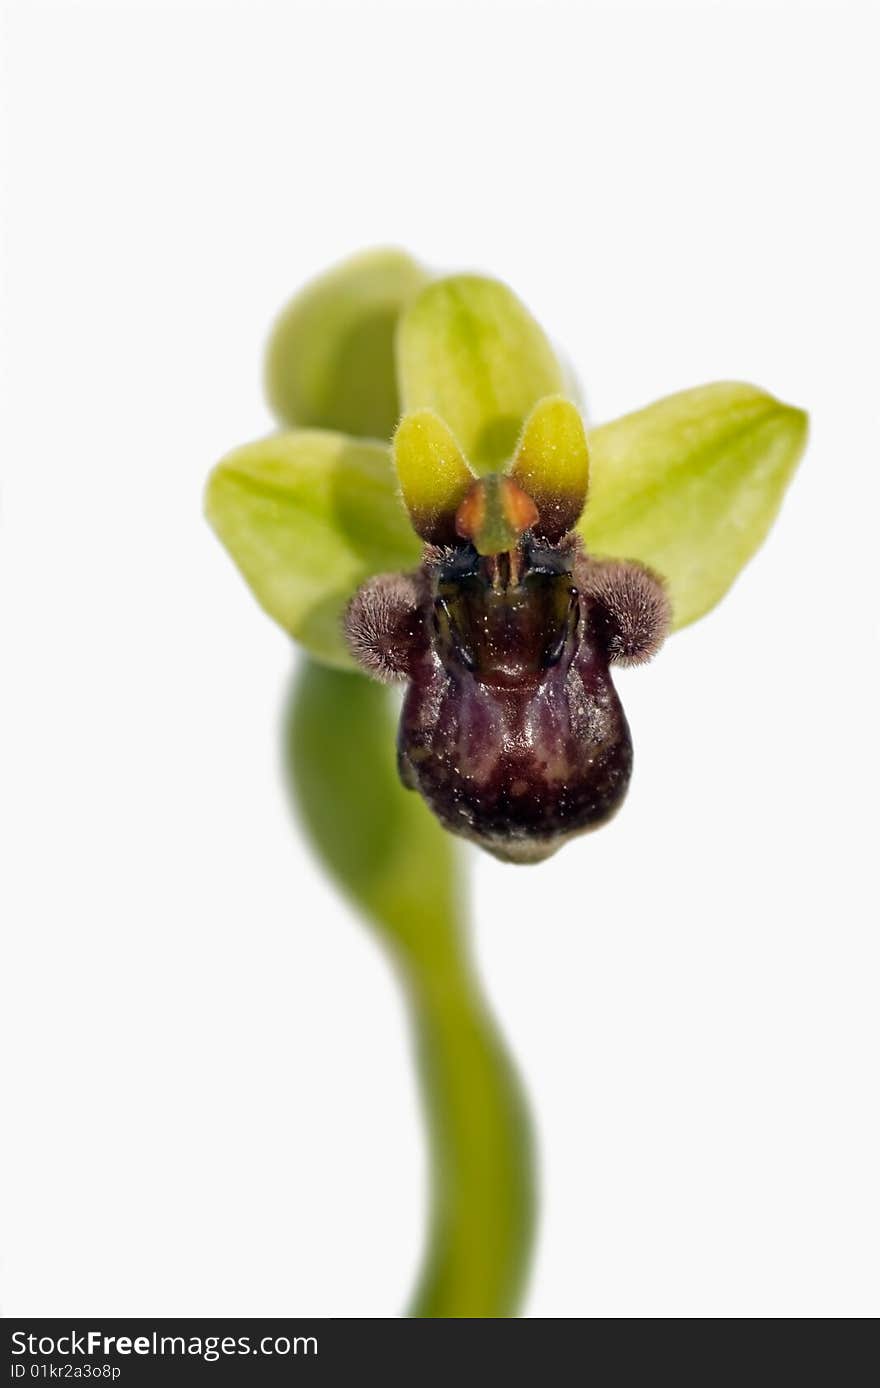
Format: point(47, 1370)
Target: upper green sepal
point(691, 485)
point(308, 516)
point(469, 350)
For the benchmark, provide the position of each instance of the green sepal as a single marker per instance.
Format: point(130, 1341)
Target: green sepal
point(469, 350)
point(308, 516)
point(691, 485)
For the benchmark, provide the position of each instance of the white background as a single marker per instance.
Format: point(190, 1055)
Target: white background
point(209, 1105)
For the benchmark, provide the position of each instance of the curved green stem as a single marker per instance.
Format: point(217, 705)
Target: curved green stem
point(482, 1215)
point(401, 870)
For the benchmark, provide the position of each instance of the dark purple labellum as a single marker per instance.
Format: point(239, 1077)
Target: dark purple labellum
point(511, 727)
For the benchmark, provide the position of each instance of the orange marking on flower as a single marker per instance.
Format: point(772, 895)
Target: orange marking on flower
point(494, 514)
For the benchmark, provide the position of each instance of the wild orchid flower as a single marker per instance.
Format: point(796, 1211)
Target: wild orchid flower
point(435, 512)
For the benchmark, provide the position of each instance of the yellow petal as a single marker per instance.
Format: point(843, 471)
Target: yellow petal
point(433, 473)
point(552, 464)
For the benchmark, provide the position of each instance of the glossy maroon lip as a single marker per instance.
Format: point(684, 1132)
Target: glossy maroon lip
point(511, 728)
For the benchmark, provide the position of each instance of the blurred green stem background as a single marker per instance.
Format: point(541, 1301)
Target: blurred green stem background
point(381, 844)
point(391, 858)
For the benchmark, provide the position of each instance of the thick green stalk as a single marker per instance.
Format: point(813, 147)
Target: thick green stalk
point(482, 1218)
point(401, 870)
